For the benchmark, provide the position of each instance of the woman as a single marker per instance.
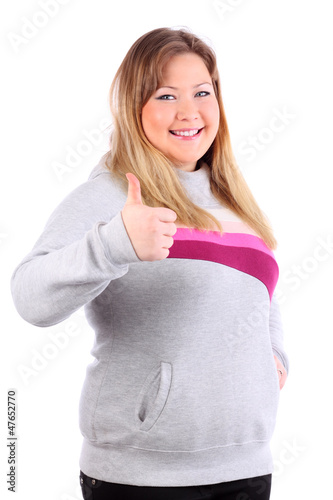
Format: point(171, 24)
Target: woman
point(173, 259)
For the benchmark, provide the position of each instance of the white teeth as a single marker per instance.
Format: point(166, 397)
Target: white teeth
point(187, 133)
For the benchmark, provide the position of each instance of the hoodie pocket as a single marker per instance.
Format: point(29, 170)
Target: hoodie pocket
point(154, 395)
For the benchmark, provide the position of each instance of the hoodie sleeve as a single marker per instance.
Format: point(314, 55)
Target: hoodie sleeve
point(83, 247)
point(276, 333)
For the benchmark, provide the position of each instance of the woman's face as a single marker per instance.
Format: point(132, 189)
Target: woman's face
point(181, 118)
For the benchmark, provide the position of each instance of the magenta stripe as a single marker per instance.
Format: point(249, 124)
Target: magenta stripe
point(229, 239)
point(255, 262)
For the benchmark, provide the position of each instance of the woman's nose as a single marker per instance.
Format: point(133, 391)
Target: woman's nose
point(187, 110)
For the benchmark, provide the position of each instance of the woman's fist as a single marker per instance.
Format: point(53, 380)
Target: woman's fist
point(149, 229)
point(281, 372)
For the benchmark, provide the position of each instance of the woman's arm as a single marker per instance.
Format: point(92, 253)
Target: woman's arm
point(82, 248)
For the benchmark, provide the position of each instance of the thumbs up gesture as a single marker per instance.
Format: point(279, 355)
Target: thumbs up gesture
point(149, 229)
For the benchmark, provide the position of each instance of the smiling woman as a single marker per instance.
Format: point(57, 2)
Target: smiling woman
point(173, 260)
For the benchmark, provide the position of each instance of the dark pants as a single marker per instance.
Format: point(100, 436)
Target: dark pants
point(255, 488)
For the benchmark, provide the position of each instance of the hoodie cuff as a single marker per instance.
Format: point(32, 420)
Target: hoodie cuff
point(116, 242)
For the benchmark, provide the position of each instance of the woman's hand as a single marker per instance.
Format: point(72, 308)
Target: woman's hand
point(280, 368)
point(149, 229)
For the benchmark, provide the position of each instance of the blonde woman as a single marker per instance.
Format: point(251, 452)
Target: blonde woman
point(171, 256)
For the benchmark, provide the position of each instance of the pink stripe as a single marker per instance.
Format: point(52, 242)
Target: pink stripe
point(228, 239)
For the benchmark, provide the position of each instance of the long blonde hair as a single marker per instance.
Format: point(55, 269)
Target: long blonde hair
point(137, 78)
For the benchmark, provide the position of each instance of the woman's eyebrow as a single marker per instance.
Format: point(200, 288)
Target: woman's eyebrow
point(175, 88)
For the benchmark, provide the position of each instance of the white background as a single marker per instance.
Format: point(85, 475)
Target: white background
point(274, 56)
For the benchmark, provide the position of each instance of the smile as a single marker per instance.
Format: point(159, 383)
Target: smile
point(187, 133)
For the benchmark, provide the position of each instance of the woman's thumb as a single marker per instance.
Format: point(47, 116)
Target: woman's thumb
point(134, 190)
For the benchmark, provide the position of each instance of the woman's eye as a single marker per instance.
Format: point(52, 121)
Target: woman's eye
point(166, 97)
point(169, 97)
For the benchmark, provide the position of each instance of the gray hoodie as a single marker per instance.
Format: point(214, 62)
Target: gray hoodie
point(183, 389)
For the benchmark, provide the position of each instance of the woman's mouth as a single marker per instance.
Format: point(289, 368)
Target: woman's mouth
point(190, 133)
